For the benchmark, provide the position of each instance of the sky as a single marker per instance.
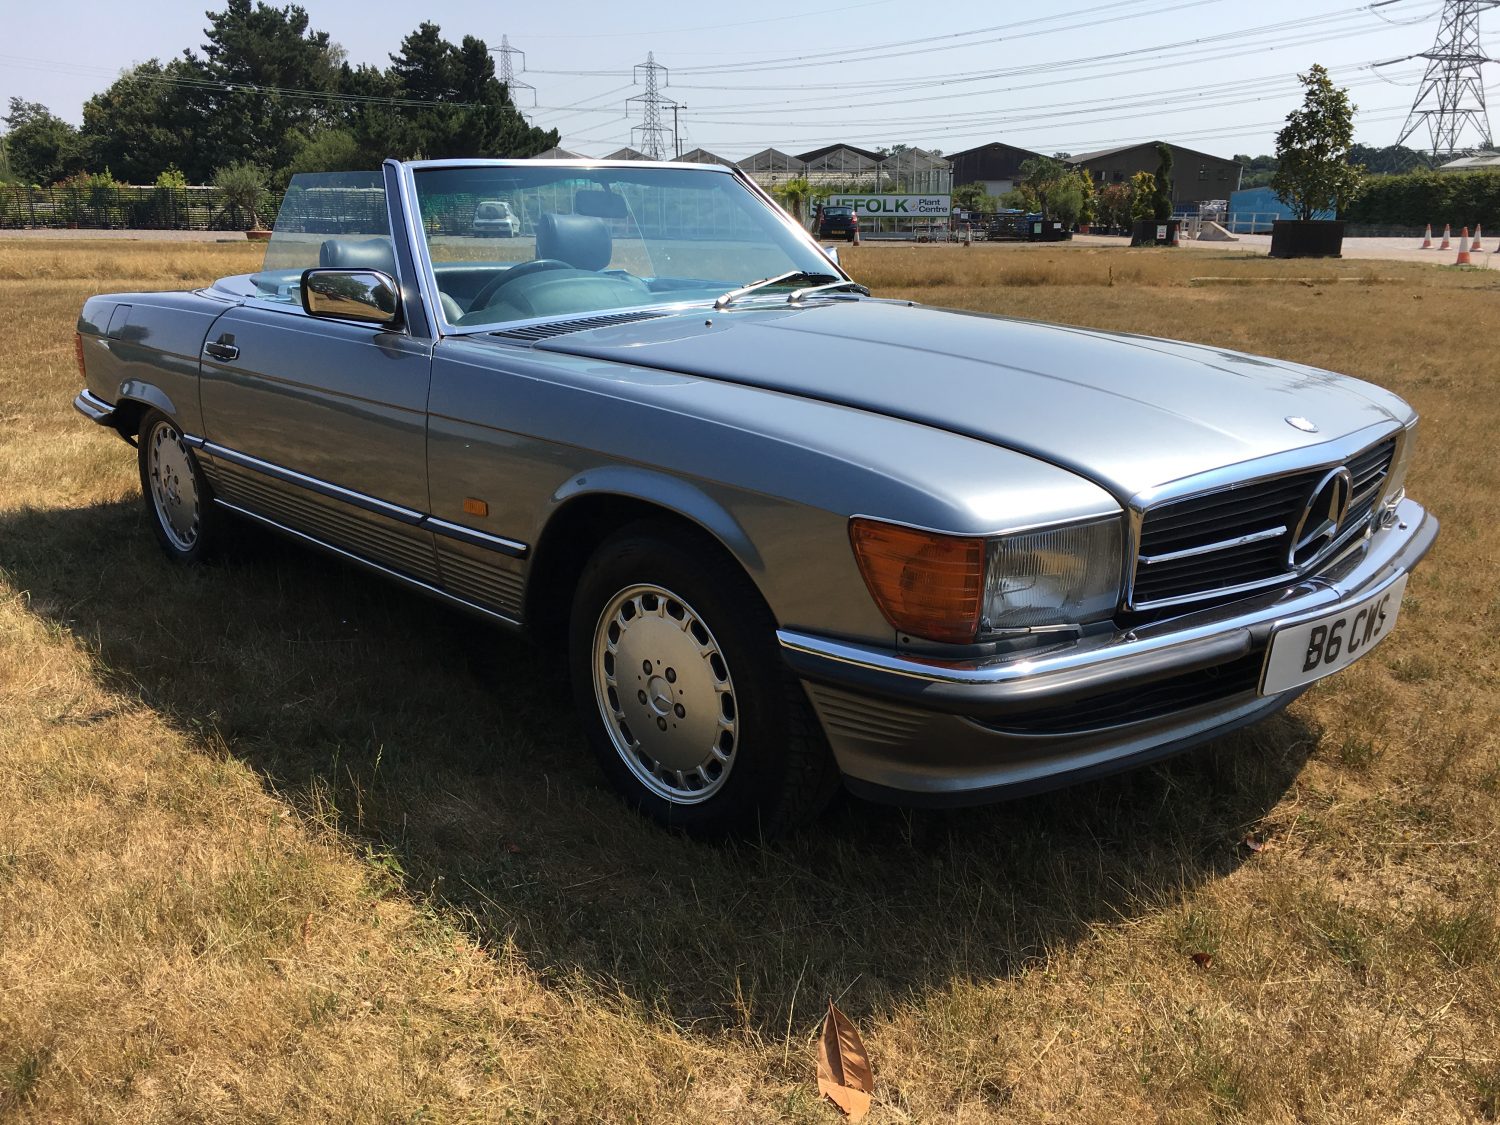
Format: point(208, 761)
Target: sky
point(1052, 76)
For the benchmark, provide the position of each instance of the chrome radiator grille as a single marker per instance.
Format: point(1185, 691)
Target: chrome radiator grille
point(1241, 538)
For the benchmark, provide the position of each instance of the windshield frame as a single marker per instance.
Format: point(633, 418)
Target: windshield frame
point(427, 276)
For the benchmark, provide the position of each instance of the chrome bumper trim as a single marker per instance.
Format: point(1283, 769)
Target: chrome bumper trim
point(1046, 677)
point(94, 408)
point(512, 547)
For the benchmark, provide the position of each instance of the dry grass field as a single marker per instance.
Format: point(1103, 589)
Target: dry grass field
point(279, 842)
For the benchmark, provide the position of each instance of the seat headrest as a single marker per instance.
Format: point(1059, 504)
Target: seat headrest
point(580, 240)
point(358, 254)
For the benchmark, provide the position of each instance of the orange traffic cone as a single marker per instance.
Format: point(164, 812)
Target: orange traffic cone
point(1426, 239)
point(1447, 238)
point(1463, 250)
point(1475, 245)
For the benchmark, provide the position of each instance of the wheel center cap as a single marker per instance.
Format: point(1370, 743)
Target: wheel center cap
point(659, 695)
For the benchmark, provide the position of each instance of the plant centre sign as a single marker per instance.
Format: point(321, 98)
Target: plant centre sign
point(896, 206)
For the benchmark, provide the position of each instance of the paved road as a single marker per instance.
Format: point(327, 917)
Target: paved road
point(1385, 249)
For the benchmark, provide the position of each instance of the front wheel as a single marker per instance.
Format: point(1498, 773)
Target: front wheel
point(687, 706)
point(177, 496)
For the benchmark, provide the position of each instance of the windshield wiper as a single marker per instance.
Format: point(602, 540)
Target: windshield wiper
point(829, 287)
point(734, 295)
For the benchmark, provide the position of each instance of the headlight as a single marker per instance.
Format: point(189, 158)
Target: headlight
point(1395, 481)
point(957, 589)
point(1059, 576)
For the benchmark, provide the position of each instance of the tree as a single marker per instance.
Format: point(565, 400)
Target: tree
point(1255, 171)
point(1392, 160)
point(1066, 200)
point(243, 187)
point(136, 126)
point(1088, 213)
point(42, 147)
point(1114, 205)
point(1142, 195)
point(793, 195)
point(970, 197)
point(1161, 196)
point(1313, 172)
point(471, 112)
point(329, 150)
point(260, 64)
point(1043, 178)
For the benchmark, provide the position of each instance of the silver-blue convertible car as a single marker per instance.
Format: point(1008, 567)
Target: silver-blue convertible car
point(788, 533)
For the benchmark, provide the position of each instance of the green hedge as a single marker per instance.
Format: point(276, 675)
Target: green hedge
point(1459, 198)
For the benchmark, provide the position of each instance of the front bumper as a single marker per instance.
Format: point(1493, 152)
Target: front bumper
point(928, 731)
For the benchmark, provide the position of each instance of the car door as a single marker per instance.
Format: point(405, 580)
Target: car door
point(319, 425)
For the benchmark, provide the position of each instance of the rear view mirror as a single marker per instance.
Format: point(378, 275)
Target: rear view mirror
point(368, 296)
point(833, 253)
point(599, 204)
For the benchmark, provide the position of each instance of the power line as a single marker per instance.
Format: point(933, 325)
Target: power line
point(1230, 94)
point(651, 130)
point(1451, 97)
point(822, 12)
point(849, 52)
point(508, 71)
point(970, 95)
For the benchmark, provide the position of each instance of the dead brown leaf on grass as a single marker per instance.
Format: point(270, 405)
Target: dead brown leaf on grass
point(844, 1074)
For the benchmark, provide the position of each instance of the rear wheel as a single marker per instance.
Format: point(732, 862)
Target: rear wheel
point(687, 706)
point(177, 496)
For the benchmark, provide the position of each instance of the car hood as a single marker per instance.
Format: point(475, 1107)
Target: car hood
point(1129, 412)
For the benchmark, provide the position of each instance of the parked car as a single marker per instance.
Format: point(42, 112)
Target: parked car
point(838, 222)
point(787, 532)
point(494, 217)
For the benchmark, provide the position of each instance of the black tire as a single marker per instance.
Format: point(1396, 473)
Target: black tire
point(183, 516)
point(780, 772)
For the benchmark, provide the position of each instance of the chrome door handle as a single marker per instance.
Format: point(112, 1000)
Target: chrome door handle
point(222, 348)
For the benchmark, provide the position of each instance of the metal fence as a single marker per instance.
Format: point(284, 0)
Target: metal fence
point(122, 208)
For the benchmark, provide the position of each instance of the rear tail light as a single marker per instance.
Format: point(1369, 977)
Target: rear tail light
point(78, 354)
point(926, 584)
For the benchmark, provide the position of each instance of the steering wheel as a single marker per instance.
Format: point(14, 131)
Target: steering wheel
point(486, 296)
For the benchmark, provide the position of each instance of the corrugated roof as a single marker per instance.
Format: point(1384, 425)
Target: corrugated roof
point(819, 153)
point(1477, 162)
point(702, 156)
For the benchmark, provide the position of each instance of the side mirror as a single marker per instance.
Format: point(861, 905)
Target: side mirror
point(368, 296)
point(833, 253)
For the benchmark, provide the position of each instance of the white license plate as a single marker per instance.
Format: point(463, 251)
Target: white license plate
point(1303, 653)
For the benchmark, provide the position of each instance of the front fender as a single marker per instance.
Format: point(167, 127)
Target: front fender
point(663, 490)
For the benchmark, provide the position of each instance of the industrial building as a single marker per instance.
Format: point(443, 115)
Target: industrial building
point(995, 165)
point(913, 170)
point(1196, 176)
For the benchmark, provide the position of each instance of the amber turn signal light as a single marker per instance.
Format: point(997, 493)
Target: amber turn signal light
point(78, 354)
point(926, 584)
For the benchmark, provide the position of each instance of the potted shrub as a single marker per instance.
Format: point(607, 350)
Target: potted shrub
point(1313, 174)
point(1144, 228)
point(242, 187)
point(1151, 207)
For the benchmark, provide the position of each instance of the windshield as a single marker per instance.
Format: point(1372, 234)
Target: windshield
point(583, 241)
point(326, 219)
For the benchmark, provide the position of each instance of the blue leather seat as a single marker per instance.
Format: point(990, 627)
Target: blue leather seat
point(580, 240)
point(358, 254)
